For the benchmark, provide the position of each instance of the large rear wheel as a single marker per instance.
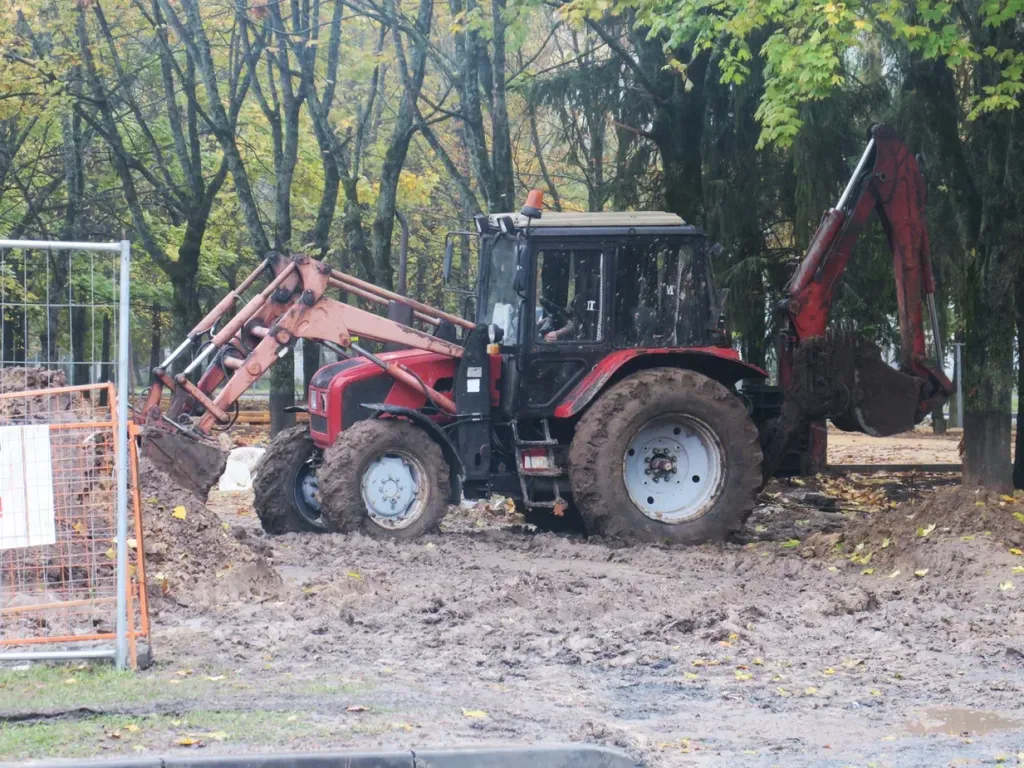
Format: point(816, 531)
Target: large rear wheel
point(385, 477)
point(287, 495)
point(665, 455)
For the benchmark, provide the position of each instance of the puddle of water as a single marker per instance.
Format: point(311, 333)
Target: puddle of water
point(297, 574)
point(955, 720)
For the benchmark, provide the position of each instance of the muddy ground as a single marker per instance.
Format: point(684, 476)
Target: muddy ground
point(856, 621)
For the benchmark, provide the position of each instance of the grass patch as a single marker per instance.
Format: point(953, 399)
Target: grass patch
point(112, 735)
point(45, 687)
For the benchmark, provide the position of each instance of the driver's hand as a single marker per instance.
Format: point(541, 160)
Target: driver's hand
point(550, 336)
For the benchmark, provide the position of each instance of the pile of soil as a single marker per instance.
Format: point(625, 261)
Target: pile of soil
point(926, 536)
point(192, 558)
point(36, 406)
point(952, 511)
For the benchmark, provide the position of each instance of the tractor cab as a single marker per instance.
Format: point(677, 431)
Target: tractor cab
point(561, 292)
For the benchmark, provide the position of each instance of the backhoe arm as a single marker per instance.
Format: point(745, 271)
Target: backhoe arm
point(889, 182)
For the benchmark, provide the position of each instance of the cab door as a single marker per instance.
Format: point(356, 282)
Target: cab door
point(566, 331)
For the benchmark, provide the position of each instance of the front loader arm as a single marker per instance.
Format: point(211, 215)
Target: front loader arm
point(293, 306)
point(888, 182)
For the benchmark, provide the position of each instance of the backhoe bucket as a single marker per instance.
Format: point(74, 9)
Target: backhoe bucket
point(842, 377)
point(192, 464)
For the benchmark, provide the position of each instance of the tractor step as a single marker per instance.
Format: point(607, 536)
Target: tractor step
point(531, 463)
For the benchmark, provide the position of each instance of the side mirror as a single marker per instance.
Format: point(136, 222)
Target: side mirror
point(520, 284)
point(449, 254)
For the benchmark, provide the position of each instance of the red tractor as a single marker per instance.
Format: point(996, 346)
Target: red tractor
point(597, 377)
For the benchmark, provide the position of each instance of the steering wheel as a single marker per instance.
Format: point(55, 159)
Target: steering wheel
point(555, 310)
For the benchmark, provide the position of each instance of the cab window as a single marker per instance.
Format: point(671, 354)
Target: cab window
point(569, 298)
point(656, 300)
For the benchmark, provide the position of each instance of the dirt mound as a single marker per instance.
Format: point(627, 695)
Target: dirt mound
point(930, 535)
point(36, 406)
point(192, 558)
point(954, 511)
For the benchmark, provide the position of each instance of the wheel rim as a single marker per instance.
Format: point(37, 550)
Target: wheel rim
point(394, 490)
point(673, 468)
point(307, 494)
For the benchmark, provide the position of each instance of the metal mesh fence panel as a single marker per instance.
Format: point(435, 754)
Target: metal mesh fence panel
point(71, 561)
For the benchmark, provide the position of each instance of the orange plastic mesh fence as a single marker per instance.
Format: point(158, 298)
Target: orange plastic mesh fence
point(58, 519)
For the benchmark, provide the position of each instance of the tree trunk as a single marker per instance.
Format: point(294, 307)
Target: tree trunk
point(355, 235)
point(81, 372)
point(1018, 449)
point(155, 345)
point(282, 393)
point(107, 366)
point(988, 372)
point(14, 335)
point(310, 365)
point(501, 135)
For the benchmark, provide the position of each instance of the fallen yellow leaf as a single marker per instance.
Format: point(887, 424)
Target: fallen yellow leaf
point(829, 671)
point(188, 741)
point(691, 675)
point(894, 574)
point(810, 690)
point(782, 691)
point(474, 714)
point(867, 572)
point(886, 542)
point(741, 675)
point(922, 532)
point(354, 575)
point(758, 661)
point(1016, 551)
point(215, 678)
point(179, 512)
point(1018, 569)
point(1006, 586)
point(132, 728)
point(921, 572)
point(875, 692)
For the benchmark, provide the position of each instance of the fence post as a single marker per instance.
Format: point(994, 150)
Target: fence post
point(124, 338)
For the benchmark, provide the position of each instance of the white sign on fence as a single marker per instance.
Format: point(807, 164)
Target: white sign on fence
point(26, 487)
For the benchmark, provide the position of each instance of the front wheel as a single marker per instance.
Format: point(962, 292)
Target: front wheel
point(665, 455)
point(385, 477)
point(287, 496)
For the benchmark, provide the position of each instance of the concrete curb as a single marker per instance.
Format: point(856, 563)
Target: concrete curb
point(540, 756)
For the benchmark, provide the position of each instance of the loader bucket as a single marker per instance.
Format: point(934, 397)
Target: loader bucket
point(843, 377)
point(192, 464)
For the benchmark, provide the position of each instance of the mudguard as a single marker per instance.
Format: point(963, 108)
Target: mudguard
point(719, 363)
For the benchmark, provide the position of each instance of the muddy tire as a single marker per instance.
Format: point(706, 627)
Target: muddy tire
point(285, 484)
point(385, 477)
point(665, 455)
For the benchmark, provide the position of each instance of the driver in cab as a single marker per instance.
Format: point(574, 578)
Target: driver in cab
point(579, 320)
